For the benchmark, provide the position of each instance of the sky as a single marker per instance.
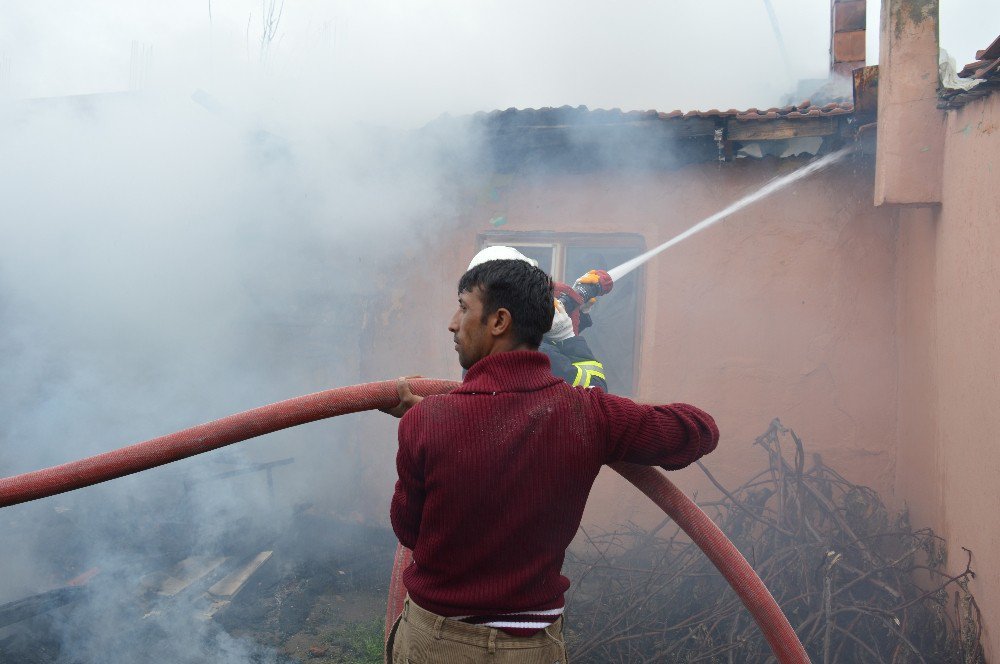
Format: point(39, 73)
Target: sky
point(408, 61)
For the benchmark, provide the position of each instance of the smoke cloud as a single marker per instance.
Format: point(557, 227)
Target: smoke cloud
point(197, 201)
point(406, 63)
point(169, 259)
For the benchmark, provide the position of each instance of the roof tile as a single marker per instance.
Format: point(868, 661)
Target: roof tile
point(986, 70)
point(568, 114)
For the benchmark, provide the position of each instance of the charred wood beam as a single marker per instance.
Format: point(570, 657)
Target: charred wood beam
point(770, 130)
point(243, 470)
point(29, 607)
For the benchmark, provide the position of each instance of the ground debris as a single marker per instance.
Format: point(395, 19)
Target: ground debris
point(857, 584)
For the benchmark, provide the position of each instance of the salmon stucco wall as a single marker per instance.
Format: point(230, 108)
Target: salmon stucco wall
point(908, 164)
point(949, 451)
point(784, 310)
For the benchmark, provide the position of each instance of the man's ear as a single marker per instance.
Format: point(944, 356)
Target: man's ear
point(500, 322)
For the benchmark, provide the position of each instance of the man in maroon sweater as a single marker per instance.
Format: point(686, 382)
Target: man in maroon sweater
point(494, 477)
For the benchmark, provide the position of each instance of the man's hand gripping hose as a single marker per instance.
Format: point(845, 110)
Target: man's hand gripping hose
point(385, 395)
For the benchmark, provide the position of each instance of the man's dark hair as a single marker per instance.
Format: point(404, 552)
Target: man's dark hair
point(519, 287)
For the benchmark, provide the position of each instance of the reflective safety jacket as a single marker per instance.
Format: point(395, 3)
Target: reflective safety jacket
point(573, 361)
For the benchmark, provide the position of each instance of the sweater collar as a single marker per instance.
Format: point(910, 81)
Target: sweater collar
point(511, 371)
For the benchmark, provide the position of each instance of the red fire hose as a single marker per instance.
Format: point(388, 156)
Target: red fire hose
point(330, 403)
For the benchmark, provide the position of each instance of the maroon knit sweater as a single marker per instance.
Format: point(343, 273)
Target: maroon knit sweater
point(494, 476)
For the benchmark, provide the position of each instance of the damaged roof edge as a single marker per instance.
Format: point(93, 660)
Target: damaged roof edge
point(581, 115)
point(576, 139)
point(984, 71)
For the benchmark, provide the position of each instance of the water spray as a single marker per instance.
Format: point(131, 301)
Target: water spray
point(598, 282)
point(774, 185)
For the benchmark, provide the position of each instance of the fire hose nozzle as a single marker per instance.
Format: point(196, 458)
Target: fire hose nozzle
point(590, 286)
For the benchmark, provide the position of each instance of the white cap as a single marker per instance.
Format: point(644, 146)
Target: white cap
point(498, 253)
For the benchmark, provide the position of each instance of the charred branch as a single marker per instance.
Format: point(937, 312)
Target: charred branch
point(857, 585)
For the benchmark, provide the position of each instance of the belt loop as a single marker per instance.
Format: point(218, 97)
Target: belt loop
point(552, 627)
point(438, 626)
point(493, 641)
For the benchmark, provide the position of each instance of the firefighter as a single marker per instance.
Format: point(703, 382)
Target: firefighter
point(568, 352)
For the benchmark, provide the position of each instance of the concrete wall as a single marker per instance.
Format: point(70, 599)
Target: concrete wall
point(949, 453)
point(785, 310)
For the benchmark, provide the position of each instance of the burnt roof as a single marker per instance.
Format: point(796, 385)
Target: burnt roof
point(985, 69)
point(553, 116)
point(580, 139)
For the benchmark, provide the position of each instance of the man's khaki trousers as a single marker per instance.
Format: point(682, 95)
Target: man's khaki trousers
point(422, 637)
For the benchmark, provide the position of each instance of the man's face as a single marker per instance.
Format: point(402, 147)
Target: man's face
point(472, 338)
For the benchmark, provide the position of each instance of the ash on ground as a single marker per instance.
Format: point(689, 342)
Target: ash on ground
point(319, 597)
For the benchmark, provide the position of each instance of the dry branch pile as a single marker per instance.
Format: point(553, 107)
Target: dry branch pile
point(856, 585)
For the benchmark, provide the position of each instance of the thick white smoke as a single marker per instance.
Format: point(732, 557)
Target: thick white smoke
point(167, 259)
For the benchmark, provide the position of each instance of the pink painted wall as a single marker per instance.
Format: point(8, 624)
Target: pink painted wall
point(908, 163)
point(785, 310)
point(948, 296)
point(949, 455)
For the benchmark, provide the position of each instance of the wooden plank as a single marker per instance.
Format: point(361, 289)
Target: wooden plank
point(765, 130)
point(187, 572)
point(667, 128)
point(23, 609)
point(233, 583)
point(214, 608)
point(865, 82)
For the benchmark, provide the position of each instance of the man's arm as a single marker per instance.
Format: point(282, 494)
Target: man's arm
point(569, 354)
point(408, 499)
point(574, 362)
point(671, 436)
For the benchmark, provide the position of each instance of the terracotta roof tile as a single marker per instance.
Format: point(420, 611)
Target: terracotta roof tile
point(541, 117)
point(991, 51)
point(803, 110)
point(987, 65)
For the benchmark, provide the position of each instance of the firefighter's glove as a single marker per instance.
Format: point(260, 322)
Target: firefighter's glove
point(600, 279)
point(562, 324)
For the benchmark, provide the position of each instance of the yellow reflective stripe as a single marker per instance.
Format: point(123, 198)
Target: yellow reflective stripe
point(585, 372)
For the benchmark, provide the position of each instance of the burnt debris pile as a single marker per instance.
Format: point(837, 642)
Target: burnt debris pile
point(311, 592)
point(857, 584)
